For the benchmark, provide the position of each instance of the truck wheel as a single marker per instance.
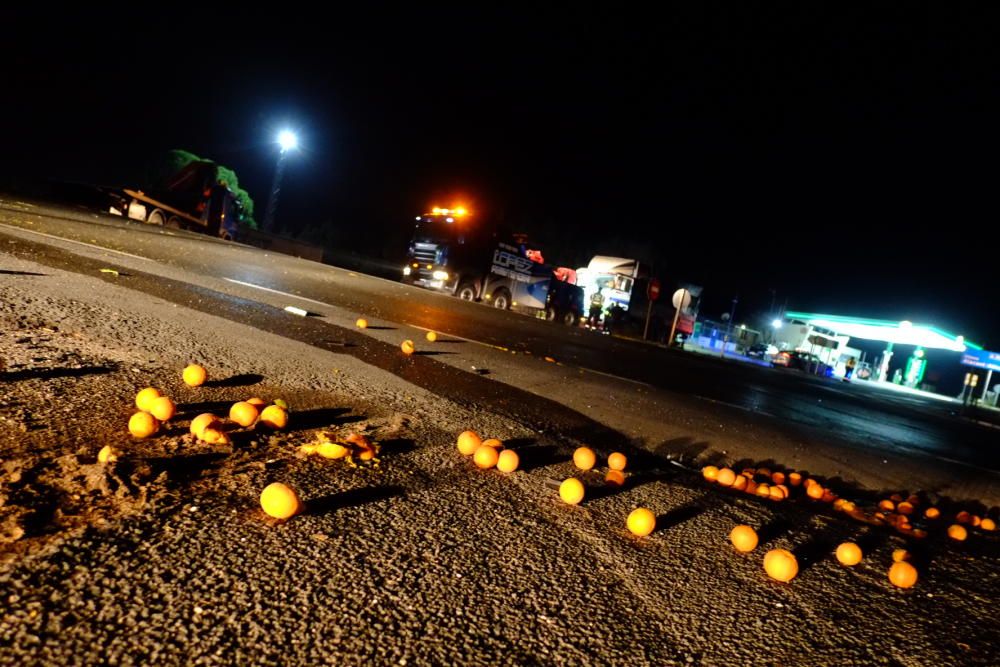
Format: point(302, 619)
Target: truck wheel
point(173, 222)
point(156, 217)
point(550, 314)
point(570, 319)
point(466, 292)
point(501, 299)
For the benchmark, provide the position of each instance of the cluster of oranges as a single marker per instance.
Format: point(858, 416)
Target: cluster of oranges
point(353, 446)
point(488, 453)
point(209, 428)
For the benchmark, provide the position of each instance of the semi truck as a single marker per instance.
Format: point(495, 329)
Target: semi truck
point(448, 254)
point(194, 198)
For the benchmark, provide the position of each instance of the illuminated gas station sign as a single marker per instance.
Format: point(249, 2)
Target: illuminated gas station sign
point(982, 359)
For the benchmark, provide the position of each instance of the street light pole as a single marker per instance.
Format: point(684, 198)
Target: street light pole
point(729, 329)
point(288, 141)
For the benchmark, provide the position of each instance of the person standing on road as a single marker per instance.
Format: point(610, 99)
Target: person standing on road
point(596, 308)
point(851, 363)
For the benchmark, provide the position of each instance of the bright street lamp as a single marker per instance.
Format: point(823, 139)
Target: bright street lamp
point(288, 141)
point(776, 323)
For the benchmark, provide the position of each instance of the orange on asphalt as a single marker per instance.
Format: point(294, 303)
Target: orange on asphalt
point(815, 491)
point(107, 454)
point(214, 435)
point(194, 375)
point(431, 336)
point(494, 443)
point(362, 323)
point(162, 408)
point(781, 564)
point(615, 477)
point(740, 483)
point(887, 505)
point(711, 473)
point(280, 501)
point(332, 450)
point(571, 491)
point(469, 442)
point(932, 513)
point(849, 554)
point(145, 397)
point(485, 456)
point(744, 538)
point(763, 490)
point(900, 555)
point(641, 522)
point(725, 477)
point(904, 508)
point(407, 347)
point(142, 425)
point(778, 477)
point(199, 423)
point(963, 517)
point(243, 413)
point(257, 402)
point(778, 492)
point(794, 478)
point(508, 461)
point(988, 524)
point(902, 574)
point(584, 458)
point(274, 417)
point(957, 532)
point(617, 461)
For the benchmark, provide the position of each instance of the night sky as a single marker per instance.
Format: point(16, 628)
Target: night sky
point(843, 157)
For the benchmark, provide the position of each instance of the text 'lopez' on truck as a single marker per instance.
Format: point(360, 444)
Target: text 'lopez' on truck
point(193, 198)
point(450, 254)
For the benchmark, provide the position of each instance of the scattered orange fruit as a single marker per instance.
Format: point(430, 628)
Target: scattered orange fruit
point(162, 408)
point(711, 473)
point(362, 323)
point(641, 522)
point(899, 555)
point(485, 456)
point(257, 402)
point(279, 501)
point(584, 458)
point(988, 524)
point(214, 435)
point(902, 574)
point(494, 443)
point(331, 450)
point(571, 491)
point(828, 496)
point(781, 564)
point(274, 417)
point(143, 425)
point(932, 513)
point(431, 336)
point(849, 554)
point(904, 508)
point(975, 521)
point(963, 517)
point(740, 483)
point(508, 461)
point(725, 477)
point(794, 478)
point(896, 498)
point(309, 448)
point(107, 454)
point(777, 493)
point(615, 477)
point(957, 532)
point(778, 477)
point(887, 505)
point(199, 423)
point(407, 347)
point(763, 490)
point(145, 397)
point(243, 413)
point(617, 461)
point(815, 491)
point(469, 442)
point(194, 375)
point(744, 538)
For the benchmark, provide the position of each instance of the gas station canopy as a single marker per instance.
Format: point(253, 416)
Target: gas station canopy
point(889, 331)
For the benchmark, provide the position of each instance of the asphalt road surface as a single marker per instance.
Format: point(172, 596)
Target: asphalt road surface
point(791, 401)
point(165, 557)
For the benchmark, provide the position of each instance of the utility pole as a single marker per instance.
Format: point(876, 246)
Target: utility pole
point(729, 329)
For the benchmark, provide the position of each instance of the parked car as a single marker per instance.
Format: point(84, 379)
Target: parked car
point(803, 361)
point(761, 350)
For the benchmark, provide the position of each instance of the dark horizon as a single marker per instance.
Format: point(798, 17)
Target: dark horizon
point(819, 152)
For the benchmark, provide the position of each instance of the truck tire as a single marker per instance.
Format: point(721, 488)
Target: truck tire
point(156, 217)
point(570, 318)
point(466, 292)
point(173, 222)
point(550, 314)
point(501, 299)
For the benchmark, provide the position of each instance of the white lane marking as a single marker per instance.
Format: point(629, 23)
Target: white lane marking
point(617, 377)
point(274, 291)
point(89, 245)
point(744, 408)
